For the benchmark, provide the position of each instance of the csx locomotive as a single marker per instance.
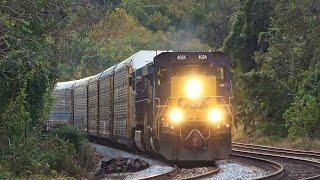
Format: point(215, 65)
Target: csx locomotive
point(176, 104)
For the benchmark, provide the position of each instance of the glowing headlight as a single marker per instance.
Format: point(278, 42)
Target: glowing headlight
point(193, 88)
point(176, 115)
point(215, 115)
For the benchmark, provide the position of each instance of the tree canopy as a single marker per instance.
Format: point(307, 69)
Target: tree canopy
point(274, 46)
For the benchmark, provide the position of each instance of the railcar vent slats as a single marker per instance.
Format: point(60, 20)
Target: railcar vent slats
point(80, 107)
point(105, 106)
point(61, 108)
point(93, 106)
point(121, 101)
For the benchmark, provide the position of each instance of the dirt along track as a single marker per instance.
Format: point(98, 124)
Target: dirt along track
point(297, 164)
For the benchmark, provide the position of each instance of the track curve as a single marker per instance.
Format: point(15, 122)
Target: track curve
point(295, 166)
point(270, 149)
point(276, 168)
point(175, 172)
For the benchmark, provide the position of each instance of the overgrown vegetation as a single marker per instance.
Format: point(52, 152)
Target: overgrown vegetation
point(64, 151)
point(274, 46)
point(29, 36)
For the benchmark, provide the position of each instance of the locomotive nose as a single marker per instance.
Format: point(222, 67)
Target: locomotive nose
point(195, 141)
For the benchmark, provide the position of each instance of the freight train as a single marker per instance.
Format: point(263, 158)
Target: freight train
point(176, 104)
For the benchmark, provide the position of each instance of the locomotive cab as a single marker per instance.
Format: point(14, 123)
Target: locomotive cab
point(193, 111)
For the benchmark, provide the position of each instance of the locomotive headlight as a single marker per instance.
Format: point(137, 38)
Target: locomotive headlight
point(176, 115)
point(215, 115)
point(193, 88)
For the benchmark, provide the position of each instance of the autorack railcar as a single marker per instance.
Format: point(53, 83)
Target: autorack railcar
point(176, 104)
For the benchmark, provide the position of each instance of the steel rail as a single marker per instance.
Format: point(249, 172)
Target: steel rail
point(166, 175)
point(311, 154)
point(210, 173)
point(278, 168)
point(301, 161)
point(174, 172)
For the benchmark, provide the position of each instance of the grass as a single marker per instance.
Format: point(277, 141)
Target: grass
point(303, 143)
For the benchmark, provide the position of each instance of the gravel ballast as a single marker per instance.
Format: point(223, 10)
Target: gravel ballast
point(228, 169)
point(235, 170)
point(156, 167)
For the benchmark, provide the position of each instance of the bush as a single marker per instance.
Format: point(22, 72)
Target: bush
point(65, 151)
point(70, 134)
point(86, 155)
point(272, 129)
point(303, 117)
point(60, 155)
point(4, 174)
point(41, 155)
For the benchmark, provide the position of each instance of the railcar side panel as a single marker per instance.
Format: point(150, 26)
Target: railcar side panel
point(80, 107)
point(93, 103)
point(122, 124)
point(105, 105)
point(61, 108)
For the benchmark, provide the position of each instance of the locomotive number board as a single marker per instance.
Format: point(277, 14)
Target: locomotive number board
point(190, 57)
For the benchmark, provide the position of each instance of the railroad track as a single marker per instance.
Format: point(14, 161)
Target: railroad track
point(297, 164)
point(174, 174)
point(276, 169)
point(288, 152)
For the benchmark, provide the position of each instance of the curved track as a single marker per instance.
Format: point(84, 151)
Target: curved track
point(173, 174)
point(276, 169)
point(295, 162)
point(284, 151)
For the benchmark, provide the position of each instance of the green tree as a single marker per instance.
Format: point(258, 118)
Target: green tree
point(277, 73)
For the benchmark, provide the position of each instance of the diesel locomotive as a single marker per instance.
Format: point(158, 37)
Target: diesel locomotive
point(176, 104)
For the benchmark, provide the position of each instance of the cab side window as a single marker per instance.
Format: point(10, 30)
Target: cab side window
point(220, 73)
point(162, 74)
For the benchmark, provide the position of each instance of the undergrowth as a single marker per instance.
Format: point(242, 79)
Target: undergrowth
point(64, 152)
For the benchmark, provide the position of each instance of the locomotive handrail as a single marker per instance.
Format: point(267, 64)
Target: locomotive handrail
point(158, 115)
point(228, 109)
point(141, 100)
point(196, 130)
point(157, 120)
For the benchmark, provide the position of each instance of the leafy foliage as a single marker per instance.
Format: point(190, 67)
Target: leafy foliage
point(28, 41)
point(274, 45)
point(277, 72)
point(70, 134)
point(64, 151)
